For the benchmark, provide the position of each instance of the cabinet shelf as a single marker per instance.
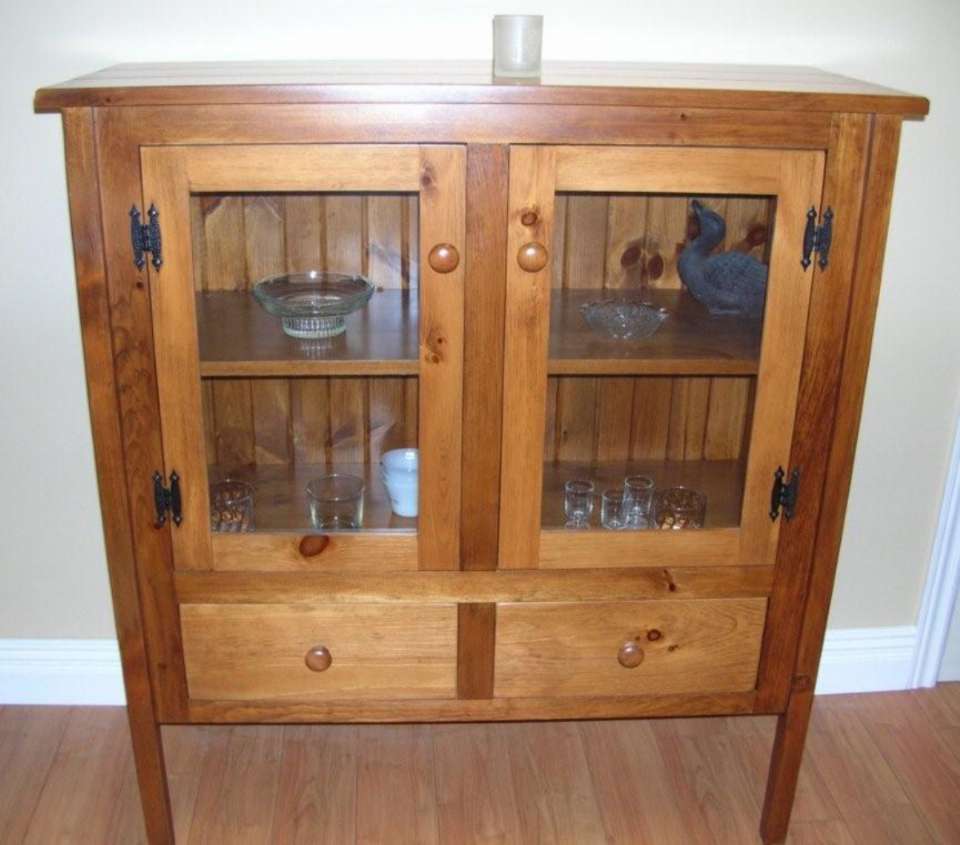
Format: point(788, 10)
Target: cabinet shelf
point(690, 341)
point(280, 499)
point(239, 339)
point(721, 481)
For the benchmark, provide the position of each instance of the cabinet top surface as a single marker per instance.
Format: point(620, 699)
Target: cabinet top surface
point(787, 88)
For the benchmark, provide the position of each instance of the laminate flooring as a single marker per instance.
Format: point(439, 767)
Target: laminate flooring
point(879, 768)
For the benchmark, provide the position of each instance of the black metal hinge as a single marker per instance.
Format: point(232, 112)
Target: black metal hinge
point(816, 239)
point(784, 495)
point(167, 500)
point(145, 237)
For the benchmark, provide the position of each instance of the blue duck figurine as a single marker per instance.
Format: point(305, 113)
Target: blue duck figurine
point(729, 283)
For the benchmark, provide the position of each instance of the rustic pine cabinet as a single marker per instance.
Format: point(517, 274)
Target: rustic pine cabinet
point(488, 215)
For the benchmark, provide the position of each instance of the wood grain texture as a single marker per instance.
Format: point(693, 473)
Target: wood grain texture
point(474, 587)
point(484, 294)
point(614, 83)
point(572, 649)
point(347, 551)
point(238, 652)
point(476, 629)
point(525, 347)
point(442, 176)
point(816, 403)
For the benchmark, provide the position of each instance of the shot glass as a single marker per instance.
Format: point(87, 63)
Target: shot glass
point(638, 501)
point(578, 502)
point(517, 42)
point(612, 509)
point(336, 501)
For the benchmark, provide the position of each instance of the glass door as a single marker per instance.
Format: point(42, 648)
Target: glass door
point(308, 335)
point(656, 309)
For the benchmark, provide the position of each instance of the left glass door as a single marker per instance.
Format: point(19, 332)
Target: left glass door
point(308, 318)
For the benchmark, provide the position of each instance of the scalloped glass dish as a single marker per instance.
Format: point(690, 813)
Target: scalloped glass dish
point(623, 320)
point(312, 305)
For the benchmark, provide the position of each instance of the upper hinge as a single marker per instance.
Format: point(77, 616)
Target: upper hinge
point(784, 496)
point(145, 237)
point(167, 499)
point(817, 239)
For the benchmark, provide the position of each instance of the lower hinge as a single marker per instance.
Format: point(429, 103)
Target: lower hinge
point(784, 495)
point(817, 239)
point(167, 499)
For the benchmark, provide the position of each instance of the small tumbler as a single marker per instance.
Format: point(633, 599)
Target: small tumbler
point(638, 500)
point(231, 506)
point(336, 501)
point(679, 507)
point(517, 40)
point(612, 509)
point(578, 503)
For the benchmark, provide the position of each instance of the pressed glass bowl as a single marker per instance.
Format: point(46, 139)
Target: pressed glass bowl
point(312, 305)
point(623, 320)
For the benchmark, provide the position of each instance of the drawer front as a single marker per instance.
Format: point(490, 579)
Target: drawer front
point(628, 648)
point(374, 651)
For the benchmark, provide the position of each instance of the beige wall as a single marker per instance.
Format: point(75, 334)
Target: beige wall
point(52, 575)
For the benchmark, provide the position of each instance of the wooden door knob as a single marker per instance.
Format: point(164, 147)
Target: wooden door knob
point(532, 257)
point(630, 655)
point(318, 659)
point(444, 258)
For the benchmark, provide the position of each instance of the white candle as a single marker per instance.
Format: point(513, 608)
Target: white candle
point(517, 40)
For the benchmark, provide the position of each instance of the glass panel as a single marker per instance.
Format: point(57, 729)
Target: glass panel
point(655, 333)
point(282, 411)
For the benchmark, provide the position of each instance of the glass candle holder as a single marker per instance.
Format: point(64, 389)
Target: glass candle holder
point(679, 507)
point(638, 501)
point(578, 502)
point(517, 42)
point(231, 506)
point(336, 501)
point(612, 509)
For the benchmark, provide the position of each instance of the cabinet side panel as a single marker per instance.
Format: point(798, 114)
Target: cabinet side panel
point(132, 336)
point(829, 306)
point(108, 450)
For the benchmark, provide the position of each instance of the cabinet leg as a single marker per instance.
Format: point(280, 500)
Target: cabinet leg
point(151, 777)
point(785, 767)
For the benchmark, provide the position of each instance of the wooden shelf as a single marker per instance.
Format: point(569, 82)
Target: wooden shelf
point(280, 499)
point(721, 481)
point(690, 341)
point(239, 338)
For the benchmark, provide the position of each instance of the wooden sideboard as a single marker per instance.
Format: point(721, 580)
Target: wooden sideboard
point(487, 214)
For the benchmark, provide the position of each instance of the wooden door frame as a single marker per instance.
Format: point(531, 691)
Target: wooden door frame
point(437, 174)
point(537, 174)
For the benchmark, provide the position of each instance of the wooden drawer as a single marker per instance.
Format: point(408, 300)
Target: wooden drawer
point(377, 651)
point(556, 649)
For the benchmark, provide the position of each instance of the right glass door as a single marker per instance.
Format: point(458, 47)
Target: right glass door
point(656, 310)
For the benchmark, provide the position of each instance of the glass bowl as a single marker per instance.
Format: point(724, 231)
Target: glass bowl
point(623, 320)
point(676, 508)
point(313, 304)
point(231, 506)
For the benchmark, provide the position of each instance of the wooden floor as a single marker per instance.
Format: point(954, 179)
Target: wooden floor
point(879, 768)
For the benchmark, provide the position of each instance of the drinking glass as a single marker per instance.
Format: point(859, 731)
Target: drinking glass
point(638, 499)
point(517, 40)
point(612, 509)
point(336, 501)
point(678, 508)
point(578, 502)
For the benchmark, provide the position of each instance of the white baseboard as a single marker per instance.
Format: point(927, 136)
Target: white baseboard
point(88, 671)
point(867, 660)
point(60, 672)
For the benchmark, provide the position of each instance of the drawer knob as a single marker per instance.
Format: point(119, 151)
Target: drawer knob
point(444, 258)
point(313, 544)
point(630, 655)
point(532, 257)
point(318, 659)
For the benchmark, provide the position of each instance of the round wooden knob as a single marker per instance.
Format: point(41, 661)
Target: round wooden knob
point(444, 258)
point(532, 257)
point(318, 659)
point(630, 655)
